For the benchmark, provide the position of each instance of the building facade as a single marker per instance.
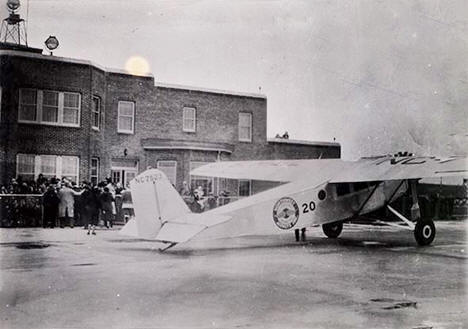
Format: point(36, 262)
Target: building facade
point(63, 117)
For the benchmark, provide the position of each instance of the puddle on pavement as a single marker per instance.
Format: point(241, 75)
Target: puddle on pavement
point(31, 245)
point(84, 264)
point(393, 304)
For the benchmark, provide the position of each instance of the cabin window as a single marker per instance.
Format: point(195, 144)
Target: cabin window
point(342, 189)
point(360, 186)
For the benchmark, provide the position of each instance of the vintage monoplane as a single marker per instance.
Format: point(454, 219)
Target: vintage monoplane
point(324, 192)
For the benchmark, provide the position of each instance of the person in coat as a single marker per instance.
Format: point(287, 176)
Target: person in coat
point(106, 200)
point(89, 207)
point(67, 204)
point(50, 202)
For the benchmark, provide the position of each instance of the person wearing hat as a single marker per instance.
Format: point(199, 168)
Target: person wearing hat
point(89, 204)
point(67, 204)
point(50, 201)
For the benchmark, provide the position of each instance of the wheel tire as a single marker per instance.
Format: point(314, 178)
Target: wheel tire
point(332, 230)
point(424, 232)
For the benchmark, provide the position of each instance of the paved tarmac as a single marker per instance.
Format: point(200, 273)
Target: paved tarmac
point(368, 278)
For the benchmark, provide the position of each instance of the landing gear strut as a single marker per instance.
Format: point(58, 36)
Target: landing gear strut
point(424, 229)
point(332, 230)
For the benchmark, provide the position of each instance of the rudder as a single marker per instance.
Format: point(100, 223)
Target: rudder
point(155, 201)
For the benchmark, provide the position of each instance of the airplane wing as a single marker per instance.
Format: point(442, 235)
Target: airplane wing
point(273, 170)
point(337, 170)
point(400, 168)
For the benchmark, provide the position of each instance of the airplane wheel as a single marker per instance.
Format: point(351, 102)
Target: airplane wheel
point(332, 230)
point(424, 232)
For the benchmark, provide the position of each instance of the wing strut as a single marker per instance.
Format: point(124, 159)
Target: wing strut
point(394, 192)
point(172, 244)
point(356, 214)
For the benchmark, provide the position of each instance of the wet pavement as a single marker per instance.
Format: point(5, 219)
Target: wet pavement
point(368, 278)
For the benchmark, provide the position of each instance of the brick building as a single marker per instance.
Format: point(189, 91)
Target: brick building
point(73, 118)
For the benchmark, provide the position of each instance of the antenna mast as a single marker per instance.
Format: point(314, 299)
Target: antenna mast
point(13, 29)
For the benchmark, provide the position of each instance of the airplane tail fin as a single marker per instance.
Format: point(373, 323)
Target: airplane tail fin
point(155, 201)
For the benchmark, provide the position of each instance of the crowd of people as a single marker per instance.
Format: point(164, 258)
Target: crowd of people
point(96, 201)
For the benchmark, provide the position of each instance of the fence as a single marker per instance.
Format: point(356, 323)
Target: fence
point(25, 210)
point(20, 210)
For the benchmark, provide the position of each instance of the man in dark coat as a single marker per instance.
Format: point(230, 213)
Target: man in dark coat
point(106, 199)
point(50, 201)
point(89, 206)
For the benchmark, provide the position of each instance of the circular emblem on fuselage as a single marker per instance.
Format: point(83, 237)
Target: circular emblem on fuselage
point(285, 213)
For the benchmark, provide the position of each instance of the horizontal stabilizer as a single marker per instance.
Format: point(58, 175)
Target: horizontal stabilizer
point(178, 232)
point(130, 229)
point(183, 230)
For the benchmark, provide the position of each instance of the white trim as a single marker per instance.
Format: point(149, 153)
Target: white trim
point(98, 127)
point(91, 168)
point(39, 105)
point(239, 127)
point(58, 165)
point(184, 119)
point(125, 131)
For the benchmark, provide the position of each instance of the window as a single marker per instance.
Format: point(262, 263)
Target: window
point(358, 186)
point(189, 119)
point(70, 168)
point(126, 117)
point(29, 166)
point(48, 165)
point(196, 181)
point(28, 105)
point(94, 171)
point(25, 166)
point(71, 108)
point(49, 107)
point(245, 127)
point(169, 168)
point(244, 187)
point(123, 171)
point(96, 113)
point(342, 189)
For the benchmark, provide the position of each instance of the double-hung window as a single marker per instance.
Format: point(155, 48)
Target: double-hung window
point(94, 170)
point(245, 127)
point(28, 105)
point(71, 108)
point(49, 107)
point(25, 166)
point(96, 113)
point(189, 119)
point(29, 166)
point(126, 117)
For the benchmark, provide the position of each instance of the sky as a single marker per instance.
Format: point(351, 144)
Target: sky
point(377, 76)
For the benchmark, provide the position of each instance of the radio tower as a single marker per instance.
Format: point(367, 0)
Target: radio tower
point(13, 28)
